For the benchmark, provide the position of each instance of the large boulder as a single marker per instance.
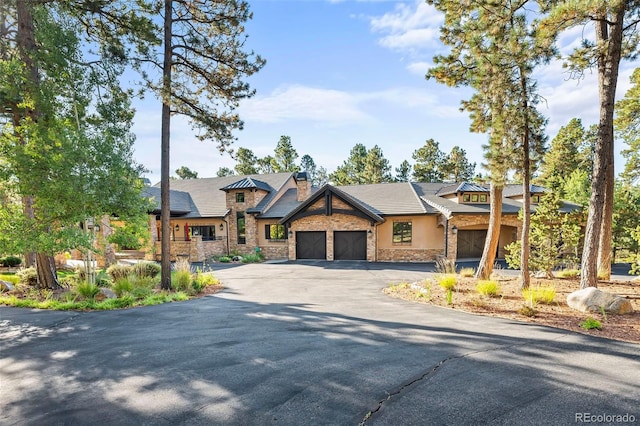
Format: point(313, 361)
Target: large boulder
point(5, 286)
point(591, 299)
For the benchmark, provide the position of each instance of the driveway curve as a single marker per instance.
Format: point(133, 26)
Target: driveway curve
point(307, 343)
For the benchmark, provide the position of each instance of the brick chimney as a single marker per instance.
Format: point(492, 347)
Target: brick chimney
point(304, 186)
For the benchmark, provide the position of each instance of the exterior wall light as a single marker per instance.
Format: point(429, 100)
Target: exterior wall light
point(177, 227)
point(221, 227)
point(454, 230)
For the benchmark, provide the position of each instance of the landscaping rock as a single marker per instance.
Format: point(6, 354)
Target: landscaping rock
point(107, 293)
point(5, 286)
point(591, 299)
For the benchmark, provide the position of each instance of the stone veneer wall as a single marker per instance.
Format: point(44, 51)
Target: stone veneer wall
point(409, 254)
point(275, 252)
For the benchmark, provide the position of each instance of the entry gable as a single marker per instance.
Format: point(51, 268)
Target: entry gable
point(322, 202)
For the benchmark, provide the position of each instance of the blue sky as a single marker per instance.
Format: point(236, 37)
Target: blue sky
point(345, 72)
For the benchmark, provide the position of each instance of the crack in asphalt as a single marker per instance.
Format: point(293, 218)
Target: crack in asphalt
point(433, 370)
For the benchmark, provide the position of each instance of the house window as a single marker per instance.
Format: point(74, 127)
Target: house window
point(242, 237)
point(240, 197)
point(535, 199)
point(474, 198)
point(401, 232)
point(208, 232)
point(275, 232)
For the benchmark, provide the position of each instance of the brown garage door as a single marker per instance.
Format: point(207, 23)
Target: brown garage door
point(350, 245)
point(311, 245)
point(471, 243)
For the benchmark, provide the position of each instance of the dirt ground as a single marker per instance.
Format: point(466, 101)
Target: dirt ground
point(509, 303)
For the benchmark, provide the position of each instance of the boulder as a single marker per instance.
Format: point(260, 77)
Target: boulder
point(107, 293)
point(5, 286)
point(591, 299)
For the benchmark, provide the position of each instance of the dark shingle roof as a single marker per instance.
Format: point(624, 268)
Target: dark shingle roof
point(180, 202)
point(209, 201)
point(514, 190)
point(388, 198)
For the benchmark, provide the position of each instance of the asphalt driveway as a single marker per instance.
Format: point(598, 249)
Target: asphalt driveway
point(307, 343)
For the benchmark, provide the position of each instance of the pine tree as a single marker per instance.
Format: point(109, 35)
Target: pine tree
point(376, 167)
point(352, 169)
point(493, 51)
point(429, 162)
point(203, 68)
point(186, 173)
point(403, 172)
point(285, 156)
point(627, 125)
point(616, 38)
point(246, 162)
point(457, 167)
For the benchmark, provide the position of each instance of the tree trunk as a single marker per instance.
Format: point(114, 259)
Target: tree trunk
point(493, 234)
point(606, 230)
point(26, 45)
point(165, 203)
point(47, 276)
point(608, 65)
point(526, 190)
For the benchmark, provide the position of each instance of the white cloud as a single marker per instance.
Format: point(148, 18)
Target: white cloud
point(303, 103)
point(419, 68)
point(409, 26)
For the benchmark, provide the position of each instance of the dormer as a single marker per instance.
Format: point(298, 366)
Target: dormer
point(465, 193)
point(246, 193)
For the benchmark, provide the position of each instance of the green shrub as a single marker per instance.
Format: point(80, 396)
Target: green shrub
point(13, 279)
point(122, 286)
point(252, 258)
point(140, 292)
point(87, 290)
point(119, 271)
point(488, 288)
point(102, 278)
point(528, 311)
point(68, 281)
point(147, 282)
point(181, 280)
point(450, 296)
point(224, 259)
point(147, 269)
point(28, 276)
point(10, 261)
point(568, 273)
point(448, 282)
point(544, 295)
point(591, 324)
point(467, 272)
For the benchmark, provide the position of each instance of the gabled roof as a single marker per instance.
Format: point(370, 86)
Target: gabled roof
point(329, 190)
point(207, 198)
point(248, 183)
point(462, 187)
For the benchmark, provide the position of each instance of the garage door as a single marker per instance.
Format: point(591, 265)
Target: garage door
point(471, 243)
point(350, 245)
point(311, 245)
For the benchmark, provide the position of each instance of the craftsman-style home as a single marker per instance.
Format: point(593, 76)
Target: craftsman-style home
point(283, 217)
